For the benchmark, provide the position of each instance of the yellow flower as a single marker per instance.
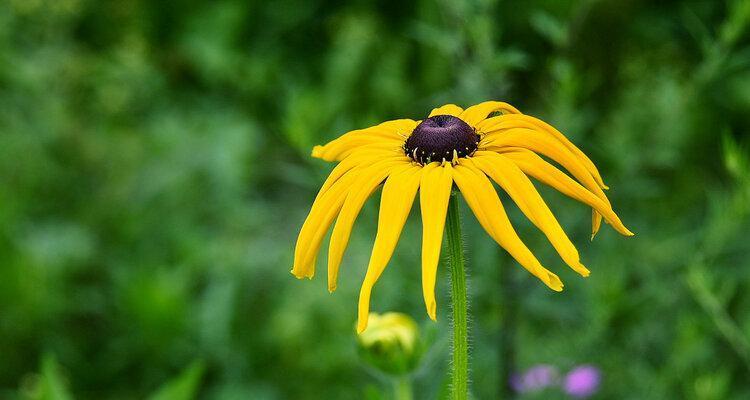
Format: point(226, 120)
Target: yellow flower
point(491, 140)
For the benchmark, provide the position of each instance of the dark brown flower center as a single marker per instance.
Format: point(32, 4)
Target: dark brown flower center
point(442, 137)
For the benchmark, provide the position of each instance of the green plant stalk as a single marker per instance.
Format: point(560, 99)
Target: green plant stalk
point(402, 388)
point(460, 366)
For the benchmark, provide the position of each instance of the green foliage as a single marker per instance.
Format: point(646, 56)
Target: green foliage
point(183, 387)
point(155, 170)
point(50, 384)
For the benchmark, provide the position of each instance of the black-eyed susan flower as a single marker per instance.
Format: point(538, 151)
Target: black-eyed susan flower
point(491, 141)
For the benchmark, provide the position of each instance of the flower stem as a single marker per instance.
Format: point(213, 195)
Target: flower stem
point(460, 372)
point(402, 388)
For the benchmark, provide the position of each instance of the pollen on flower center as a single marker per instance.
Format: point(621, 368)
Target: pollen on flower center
point(441, 137)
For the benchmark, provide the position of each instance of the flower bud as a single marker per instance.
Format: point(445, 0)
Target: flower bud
point(390, 343)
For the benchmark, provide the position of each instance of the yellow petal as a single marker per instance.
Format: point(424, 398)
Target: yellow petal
point(322, 213)
point(342, 148)
point(529, 139)
point(477, 113)
point(522, 191)
point(448, 109)
point(351, 162)
point(596, 223)
point(390, 133)
point(434, 195)
point(527, 121)
point(484, 202)
point(533, 165)
point(396, 201)
point(367, 182)
point(565, 158)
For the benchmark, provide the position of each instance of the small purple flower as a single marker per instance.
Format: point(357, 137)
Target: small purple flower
point(582, 381)
point(535, 378)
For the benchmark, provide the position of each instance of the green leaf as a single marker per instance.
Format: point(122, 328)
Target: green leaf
point(183, 387)
point(52, 384)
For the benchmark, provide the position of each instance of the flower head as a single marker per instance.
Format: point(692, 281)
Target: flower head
point(582, 381)
point(491, 141)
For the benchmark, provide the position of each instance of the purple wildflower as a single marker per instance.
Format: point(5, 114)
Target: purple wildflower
point(535, 378)
point(582, 381)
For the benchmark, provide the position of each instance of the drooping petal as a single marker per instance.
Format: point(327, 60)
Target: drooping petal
point(355, 160)
point(522, 191)
point(526, 121)
point(477, 113)
point(528, 139)
point(448, 109)
point(497, 127)
point(390, 133)
point(434, 195)
point(367, 182)
point(596, 223)
point(322, 213)
point(395, 203)
point(487, 207)
point(533, 165)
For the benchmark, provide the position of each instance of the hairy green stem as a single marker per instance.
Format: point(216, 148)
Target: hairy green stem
point(460, 371)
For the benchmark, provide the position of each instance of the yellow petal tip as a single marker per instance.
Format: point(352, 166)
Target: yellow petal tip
point(317, 152)
point(431, 311)
point(302, 275)
point(554, 282)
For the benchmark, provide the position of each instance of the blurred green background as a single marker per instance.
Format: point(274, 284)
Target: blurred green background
point(155, 170)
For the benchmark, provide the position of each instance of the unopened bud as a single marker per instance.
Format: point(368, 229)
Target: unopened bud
point(391, 343)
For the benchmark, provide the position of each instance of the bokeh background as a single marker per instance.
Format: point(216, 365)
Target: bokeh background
point(155, 170)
